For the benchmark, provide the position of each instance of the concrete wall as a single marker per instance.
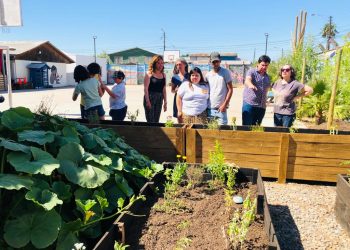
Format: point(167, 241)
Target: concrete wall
point(85, 61)
point(22, 71)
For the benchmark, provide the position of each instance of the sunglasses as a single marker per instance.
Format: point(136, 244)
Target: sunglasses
point(285, 70)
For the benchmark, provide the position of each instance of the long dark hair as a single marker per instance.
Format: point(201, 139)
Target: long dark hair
point(80, 73)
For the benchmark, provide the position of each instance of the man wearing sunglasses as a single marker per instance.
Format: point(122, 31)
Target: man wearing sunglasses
point(220, 84)
point(257, 84)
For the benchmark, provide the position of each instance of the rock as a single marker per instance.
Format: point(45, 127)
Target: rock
point(237, 199)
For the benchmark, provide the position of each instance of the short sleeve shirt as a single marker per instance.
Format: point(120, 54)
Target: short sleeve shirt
point(284, 93)
point(195, 101)
point(119, 101)
point(176, 80)
point(89, 92)
point(218, 86)
point(262, 83)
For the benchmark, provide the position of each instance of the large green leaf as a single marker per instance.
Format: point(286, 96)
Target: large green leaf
point(71, 134)
point(122, 183)
point(38, 227)
point(67, 236)
point(62, 190)
point(71, 152)
point(85, 176)
point(89, 141)
point(100, 159)
point(38, 136)
point(11, 181)
point(14, 146)
point(43, 197)
point(42, 162)
point(18, 119)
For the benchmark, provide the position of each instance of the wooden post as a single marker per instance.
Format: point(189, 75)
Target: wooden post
point(334, 90)
point(191, 148)
point(283, 162)
point(181, 140)
point(302, 80)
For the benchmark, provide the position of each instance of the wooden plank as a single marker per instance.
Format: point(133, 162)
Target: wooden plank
point(312, 161)
point(343, 190)
point(337, 139)
point(207, 145)
point(222, 134)
point(319, 150)
point(191, 146)
point(250, 164)
point(317, 169)
point(314, 176)
point(181, 141)
point(283, 161)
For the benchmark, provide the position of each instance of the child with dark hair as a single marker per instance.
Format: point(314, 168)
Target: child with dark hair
point(118, 107)
point(90, 92)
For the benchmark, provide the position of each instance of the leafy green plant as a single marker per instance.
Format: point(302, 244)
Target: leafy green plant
point(60, 179)
point(120, 246)
point(234, 123)
point(183, 224)
point(169, 122)
point(194, 176)
point(240, 222)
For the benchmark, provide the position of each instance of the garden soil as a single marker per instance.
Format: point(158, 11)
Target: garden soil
point(205, 217)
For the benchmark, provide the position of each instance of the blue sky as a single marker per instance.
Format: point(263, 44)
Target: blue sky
point(191, 26)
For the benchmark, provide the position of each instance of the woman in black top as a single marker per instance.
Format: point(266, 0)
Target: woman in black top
point(155, 89)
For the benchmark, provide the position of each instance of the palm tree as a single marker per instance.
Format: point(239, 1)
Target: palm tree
point(329, 31)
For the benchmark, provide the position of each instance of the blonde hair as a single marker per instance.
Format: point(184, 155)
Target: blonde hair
point(153, 62)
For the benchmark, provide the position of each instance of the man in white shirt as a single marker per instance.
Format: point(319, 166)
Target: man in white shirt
point(220, 84)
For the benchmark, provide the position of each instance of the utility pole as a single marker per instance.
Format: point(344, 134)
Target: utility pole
point(266, 38)
point(94, 37)
point(282, 53)
point(163, 40)
point(329, 33)
point(254, 56)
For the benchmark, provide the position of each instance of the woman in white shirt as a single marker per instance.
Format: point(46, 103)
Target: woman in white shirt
point(193, 98)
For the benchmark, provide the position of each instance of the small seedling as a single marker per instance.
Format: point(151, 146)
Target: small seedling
point(257, 128)
point(132, 116)
point(169, 122)
point(213, 124)
point(120, 246)
point(234, 123)
point(194, 176)
point(183, 243)
point(183, 225)
point(293, 130)
point(333, 130)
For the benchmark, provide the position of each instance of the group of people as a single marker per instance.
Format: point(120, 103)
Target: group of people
point(91, 88)
point(198, 98)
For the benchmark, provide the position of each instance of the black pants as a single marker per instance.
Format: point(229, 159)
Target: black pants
point(118, 114)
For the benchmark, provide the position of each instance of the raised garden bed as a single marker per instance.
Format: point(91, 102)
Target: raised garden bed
point(200, 219)
point(342, 202)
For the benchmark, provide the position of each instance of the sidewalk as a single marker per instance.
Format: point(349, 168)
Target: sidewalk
point(60, 101)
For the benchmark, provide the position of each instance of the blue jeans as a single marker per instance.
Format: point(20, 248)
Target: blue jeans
point(252, 115)
point(283, 120)
point(96, 109)
point(220, 116)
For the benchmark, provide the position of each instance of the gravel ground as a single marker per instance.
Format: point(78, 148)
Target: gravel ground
point(303, 216)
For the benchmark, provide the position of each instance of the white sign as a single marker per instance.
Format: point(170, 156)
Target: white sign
point(171, 56)
point(10, 13)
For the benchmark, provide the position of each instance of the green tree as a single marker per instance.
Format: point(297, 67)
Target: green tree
point(105, 55)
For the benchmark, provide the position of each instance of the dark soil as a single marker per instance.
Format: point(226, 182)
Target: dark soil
point(339, 124)
point(206, 218)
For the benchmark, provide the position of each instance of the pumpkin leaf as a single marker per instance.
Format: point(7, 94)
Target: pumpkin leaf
point(38, 227)
point(42, 162)
point(43, 197)
point(14, 146)
point(122, 183)
point(38, 136)
point(62, 190)
point(11, 181)
point(100, 159)
point(17, 119)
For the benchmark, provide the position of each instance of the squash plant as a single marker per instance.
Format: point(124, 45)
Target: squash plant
point(59, 180)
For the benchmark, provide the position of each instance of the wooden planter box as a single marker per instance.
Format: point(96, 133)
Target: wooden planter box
point(154, 140)
point(123, 224)
point(277, 154)
point(342, 202)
